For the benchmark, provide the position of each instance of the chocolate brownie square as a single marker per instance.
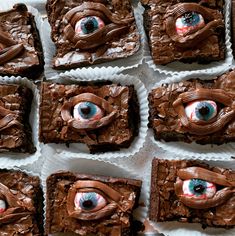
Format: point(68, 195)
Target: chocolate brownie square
point(20, 204)
point(194, 110)
point(104, 116)
point(91, 32)
point(20, 46)
point(90, 205)
point(192, 191)
point(185, 31)
point(15, 130)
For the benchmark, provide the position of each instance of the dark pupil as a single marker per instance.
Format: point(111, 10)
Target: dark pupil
point(89, 25)
point(199, 188)
point(203, 109)
point(189, 18)
point(87, 204)
point(85, 109)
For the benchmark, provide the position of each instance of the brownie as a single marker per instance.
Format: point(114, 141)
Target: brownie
point(187, 31)
point(90, 204)
point(104, 116)
point(20, 46)
point(192, 191)
point(15, 130)
point(20, 204)
point(194, 110)
point(91, 32)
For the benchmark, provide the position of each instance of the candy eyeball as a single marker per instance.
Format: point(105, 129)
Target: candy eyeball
point(88, 25)
point(3, 206)
point(189, 21)
point(203, 110)
point(87, 111)
point(89, 201)
point(198, 188)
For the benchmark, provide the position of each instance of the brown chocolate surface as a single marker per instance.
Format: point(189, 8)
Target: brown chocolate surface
point(170, 202)
point(233, 26)
point(203, 45)
point(15, 131)
point(117, 128)
point(23, 197)
point(168, 116)
point(118, 39)
point(20, 47)
point(115, 218)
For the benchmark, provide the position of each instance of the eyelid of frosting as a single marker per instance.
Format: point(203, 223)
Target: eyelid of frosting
point(194, 38)
point(16, 208)
point(203, 127)
point(96, 186)
point(108, 32)
point(219, 198)
point(11, 52)
point(204, 174)
point(201, 173)
point(86, 125)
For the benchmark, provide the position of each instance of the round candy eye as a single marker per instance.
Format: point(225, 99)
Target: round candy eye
point(189, 21)
point(88, 25)
point(87, 111)
point(3, 206)
point(201, 110)
point(89, 201)
point(198, 188)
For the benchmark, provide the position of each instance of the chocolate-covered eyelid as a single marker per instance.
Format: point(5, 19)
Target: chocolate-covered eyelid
point(206, 175)
point(81, 125)
point(93, 185)
point(97, 7)
point(219, 198)
point(183, 8)
point(110, 192)
point(217, 95)
point(203, 128)
point(88, 41)
point(193, 38)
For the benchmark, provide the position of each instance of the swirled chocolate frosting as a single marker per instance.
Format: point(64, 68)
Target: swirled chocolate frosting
point(22, 196)
point(184, 31)
point(91, 32)
point(104, 116)
point(89, 204)
point(20, 47)
point(194, 110)
point(193, 192)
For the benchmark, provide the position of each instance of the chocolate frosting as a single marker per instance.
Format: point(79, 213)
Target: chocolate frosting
point(205, 127)
point(166, 202)
point(220, 196)
point(99, 37)
point(16, 208)
point(88, 125)
point(193, 38)
point(114, 198)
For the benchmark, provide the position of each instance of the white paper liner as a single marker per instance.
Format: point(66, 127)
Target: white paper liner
point(174, 228)
point(136, 145)
point(56, 163)
point(18, 159)
point(179, 68)
point(114, 66)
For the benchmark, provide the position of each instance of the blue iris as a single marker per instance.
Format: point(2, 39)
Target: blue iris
point(197, 186)
point(88, 201)
point(89, 24)
point(87, 110)
point(204, 111)
point(191, 19)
